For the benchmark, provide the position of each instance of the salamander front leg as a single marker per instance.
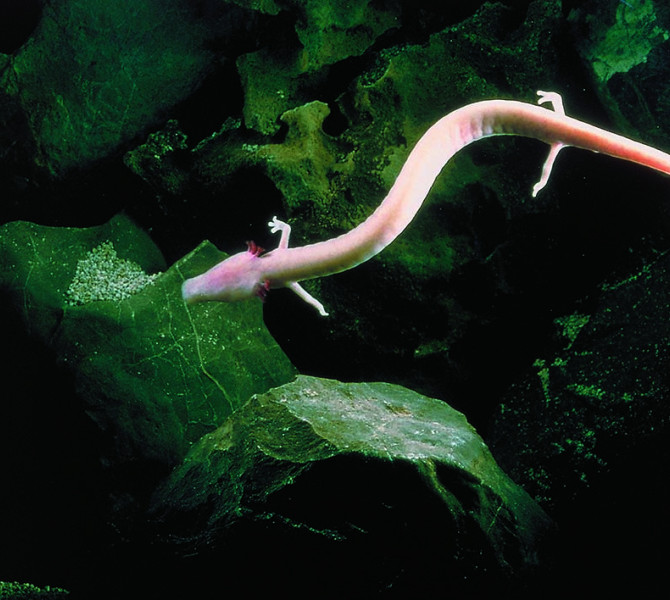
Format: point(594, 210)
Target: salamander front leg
point(277, 225)
point(307, 297)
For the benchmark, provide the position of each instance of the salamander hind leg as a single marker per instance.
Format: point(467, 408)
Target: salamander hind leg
point(556, 102)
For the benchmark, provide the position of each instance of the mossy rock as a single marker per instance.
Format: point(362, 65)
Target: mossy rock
point(280, 77)
point(625, 48)
point(95, 75)
point(368, 484)
point(153, 373)
point(600, 403)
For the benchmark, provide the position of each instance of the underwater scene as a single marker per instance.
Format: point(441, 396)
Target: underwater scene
point(349, 299)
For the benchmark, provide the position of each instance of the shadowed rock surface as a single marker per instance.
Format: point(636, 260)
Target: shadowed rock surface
point(368, 486)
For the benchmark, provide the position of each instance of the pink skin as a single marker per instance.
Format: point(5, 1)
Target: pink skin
point(231, 280)
point(249, 274)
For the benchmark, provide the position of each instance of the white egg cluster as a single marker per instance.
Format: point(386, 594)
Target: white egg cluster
point(102, 275)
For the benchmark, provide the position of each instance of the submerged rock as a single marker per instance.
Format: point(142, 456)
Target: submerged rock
point(153, 373)
point(277, 79)
point(365, 484)
point(625, 48)
point(585, 432)
point(94, 75)
point(594, 404)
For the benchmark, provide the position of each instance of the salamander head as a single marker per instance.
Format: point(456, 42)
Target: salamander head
point(239, 277)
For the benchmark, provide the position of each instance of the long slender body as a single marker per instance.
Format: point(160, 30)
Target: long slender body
point(251, 273)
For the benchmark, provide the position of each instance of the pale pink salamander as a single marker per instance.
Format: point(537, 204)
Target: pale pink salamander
point(251, 273)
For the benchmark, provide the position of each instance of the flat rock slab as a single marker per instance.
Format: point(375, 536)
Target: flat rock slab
point(153, 373)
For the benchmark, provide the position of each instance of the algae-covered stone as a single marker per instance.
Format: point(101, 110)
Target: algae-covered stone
point(585, 432)
point(276, 79)
point(153, 373)
point(625, 47)
point(601, 403)
point(357, 479)
point(156, 160)
point(303, 166)
point(96, 74)
point(332, 31)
